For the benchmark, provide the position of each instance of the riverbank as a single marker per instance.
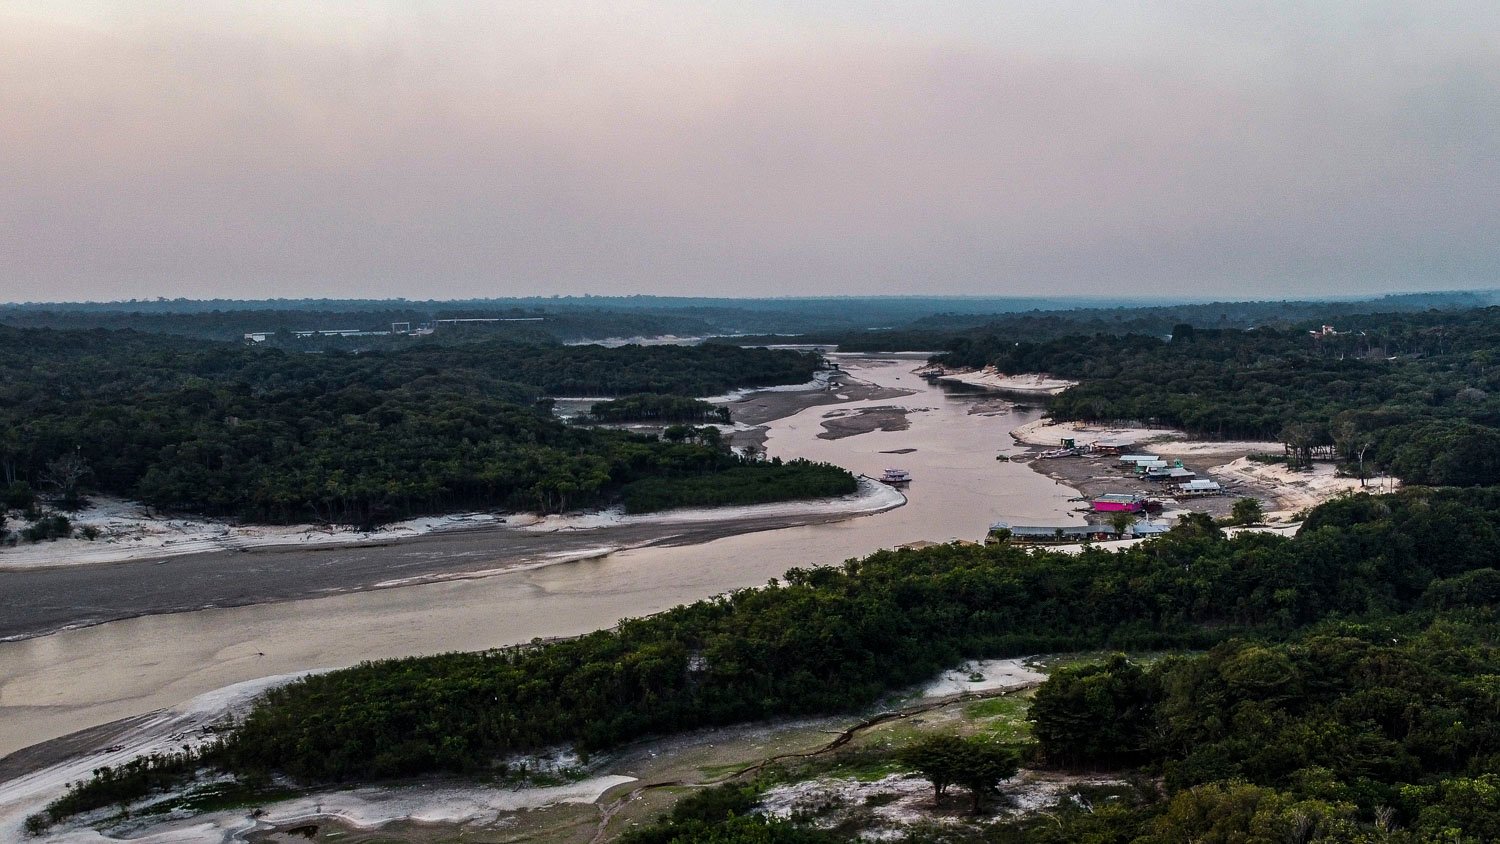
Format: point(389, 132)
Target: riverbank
point(129, 530)
point(446, 592)
point(1026, 383)
point(1283, 493)
point(43, 599)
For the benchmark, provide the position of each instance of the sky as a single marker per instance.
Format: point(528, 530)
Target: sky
point(450, 149)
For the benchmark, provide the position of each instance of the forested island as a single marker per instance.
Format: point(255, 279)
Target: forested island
point(279, 436)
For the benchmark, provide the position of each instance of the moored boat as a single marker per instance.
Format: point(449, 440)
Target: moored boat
point(895, 477)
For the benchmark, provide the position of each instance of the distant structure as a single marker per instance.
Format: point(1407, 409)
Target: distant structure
point(398, 329)
point(486, 319)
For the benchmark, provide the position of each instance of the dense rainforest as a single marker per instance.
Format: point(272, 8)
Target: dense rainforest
point(277, 436)
point(942, 331)
point(654, 407)
point(564, 318)
point(1304, 694)
point(876, 323)
point(1418, 394)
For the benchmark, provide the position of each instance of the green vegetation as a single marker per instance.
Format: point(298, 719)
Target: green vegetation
point(654, 407)
point(47, 527)
point(1247, 511)
point(1092, 713)
point(725, 815)
point(752, 483)
point(119, 785)
point(271, 436)
point(834, 639)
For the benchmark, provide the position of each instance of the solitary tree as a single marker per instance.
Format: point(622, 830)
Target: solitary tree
point(981, 766)
point(1247, 511)
point(977, 765)
point(935, 758)
point(65, 475)
point(1121, 521)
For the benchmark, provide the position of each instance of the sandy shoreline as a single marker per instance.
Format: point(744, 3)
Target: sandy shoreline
point(42, 600)
point(1025, 383)
point(129, 530)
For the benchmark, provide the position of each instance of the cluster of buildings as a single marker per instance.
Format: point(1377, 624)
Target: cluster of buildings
point(1072, 534)
point(1182, 480)
point(1178, 479)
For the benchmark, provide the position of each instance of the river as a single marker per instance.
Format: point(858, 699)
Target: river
point(75, 679)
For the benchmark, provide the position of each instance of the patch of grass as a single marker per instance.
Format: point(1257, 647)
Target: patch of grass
point(866, 764)
point(1010, 706)
point(1002, 718)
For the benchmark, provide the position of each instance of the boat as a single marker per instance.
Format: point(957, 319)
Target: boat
point(895, 477)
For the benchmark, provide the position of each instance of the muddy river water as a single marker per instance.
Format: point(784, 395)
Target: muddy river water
point(67, 681)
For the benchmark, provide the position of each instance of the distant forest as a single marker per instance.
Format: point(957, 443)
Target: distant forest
point(559, 318)
point(279, 436)
point(855, 323)
point(937, 332)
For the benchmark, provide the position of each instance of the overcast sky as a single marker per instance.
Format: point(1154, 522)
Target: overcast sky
point(446, 149)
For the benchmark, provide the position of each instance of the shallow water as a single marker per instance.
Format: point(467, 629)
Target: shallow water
point(56, 684)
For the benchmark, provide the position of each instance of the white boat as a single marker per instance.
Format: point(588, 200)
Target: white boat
point(895, 477)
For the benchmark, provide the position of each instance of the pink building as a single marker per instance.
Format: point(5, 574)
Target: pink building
point(1119, 503)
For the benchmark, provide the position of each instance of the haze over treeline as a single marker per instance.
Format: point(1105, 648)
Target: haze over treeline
point(393, 148)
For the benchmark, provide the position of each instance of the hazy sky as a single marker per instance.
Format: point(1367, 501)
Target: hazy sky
point(446, 149)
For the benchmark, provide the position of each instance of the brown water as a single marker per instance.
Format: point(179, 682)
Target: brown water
point(68, 681)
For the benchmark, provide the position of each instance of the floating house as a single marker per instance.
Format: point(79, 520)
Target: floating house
point(1138, 458)
point(1200, 486)
point(1119, 503)
point(1175, 474)
point(1049, 534)
point(1145, 466)
point(1071, 534)
point(1145, 528)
